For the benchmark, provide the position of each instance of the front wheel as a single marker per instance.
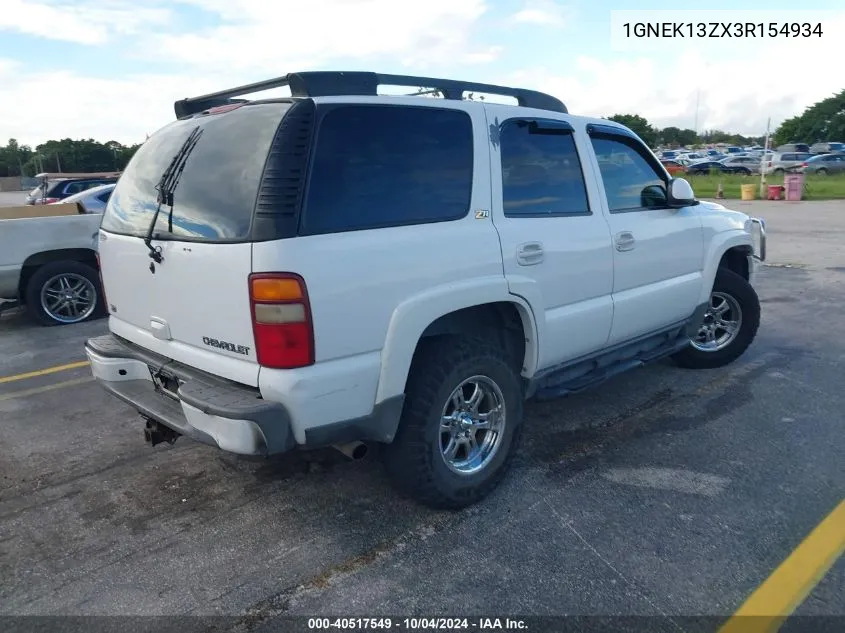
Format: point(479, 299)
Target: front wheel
point(730, 324)
point(460, 425)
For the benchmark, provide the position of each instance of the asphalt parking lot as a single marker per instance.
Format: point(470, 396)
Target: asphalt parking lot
point(663, 493)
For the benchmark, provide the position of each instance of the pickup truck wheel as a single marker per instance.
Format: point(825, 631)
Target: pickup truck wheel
point(61, 293)
point(730, 324)
point(461, 423)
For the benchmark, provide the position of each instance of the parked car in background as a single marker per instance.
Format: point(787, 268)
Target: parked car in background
point(794, 147)
point(56, 186)
point(48, 264)
point(673, 167)
point(827, 148)
point(824, 164)
point(704, 167)
point(93, 200)
point(714, 154)
point(669, 154)
point(782, 162)
point(751, 162)
point(733, 150)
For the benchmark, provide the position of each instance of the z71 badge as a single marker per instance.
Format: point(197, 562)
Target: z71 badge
point(229, 347)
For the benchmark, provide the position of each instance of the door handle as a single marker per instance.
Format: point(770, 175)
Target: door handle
point(625, 241)
point(529, 254)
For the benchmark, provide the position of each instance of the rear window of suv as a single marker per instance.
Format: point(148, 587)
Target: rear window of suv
point(216, 194)
point(376, 166)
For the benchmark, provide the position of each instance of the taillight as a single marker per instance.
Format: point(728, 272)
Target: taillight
point(804, 165)
point(281, 320)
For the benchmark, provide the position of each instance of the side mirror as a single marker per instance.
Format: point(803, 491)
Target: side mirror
point(681, 193)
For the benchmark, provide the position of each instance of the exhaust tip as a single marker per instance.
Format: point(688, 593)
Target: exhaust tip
point(353, 450)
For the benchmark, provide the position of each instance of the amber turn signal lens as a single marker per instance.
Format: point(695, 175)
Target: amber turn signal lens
point(276, 290)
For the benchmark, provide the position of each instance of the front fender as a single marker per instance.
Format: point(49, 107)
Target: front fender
point(718, 246)
point(411, 318)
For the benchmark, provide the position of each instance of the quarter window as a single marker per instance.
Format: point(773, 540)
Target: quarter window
point(381, 166)
point(631, 183)
point(541, 170)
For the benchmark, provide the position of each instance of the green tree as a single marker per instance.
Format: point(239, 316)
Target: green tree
point(640, 126)
point(687, 137)
point(65, 155)
point(823, 121)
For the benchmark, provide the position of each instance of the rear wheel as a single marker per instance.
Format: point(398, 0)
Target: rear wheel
point(730, 324)
point(461, 422)
point(61, 293)
point(822, 171)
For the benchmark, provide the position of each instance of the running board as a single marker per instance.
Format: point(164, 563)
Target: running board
point(589, 373)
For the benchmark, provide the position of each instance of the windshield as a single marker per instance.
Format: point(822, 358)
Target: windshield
point(217, 190)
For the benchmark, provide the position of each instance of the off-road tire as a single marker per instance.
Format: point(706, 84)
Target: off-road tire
point(47, 272)
point(413, 460)
point(729, 283)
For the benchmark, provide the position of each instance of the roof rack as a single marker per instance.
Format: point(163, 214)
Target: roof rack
point(343, 83)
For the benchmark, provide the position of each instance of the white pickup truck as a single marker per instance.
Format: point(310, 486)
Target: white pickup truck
point(48, 263)
point(340, 267)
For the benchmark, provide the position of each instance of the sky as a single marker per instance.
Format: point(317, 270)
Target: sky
point(111, 69)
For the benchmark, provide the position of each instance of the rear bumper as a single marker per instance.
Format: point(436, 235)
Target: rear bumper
point(220, 412)
point(208, 409)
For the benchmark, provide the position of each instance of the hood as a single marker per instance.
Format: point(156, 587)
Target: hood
point(738, 219)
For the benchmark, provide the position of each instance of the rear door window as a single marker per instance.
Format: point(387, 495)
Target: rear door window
point(216, 194)
point(541, 171)
point(378, 166)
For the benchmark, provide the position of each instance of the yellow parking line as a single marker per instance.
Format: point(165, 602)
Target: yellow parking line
point(36, 390)
point(793, 580)
point(44, 372)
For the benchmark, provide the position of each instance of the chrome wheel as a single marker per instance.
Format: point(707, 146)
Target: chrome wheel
point(68, 298)
point(721, 325)
point(472, 425)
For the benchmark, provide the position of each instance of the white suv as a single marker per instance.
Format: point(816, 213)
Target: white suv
point(341, 267)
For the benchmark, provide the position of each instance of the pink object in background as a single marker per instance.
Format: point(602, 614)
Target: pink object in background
point(794, 184)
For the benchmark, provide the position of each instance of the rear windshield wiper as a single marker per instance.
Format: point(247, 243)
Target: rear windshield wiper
point(167, 186)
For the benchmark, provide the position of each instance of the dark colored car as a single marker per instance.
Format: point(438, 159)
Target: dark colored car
point(705, 167)
point(58, 189)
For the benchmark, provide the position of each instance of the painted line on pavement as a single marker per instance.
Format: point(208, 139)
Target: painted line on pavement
point(788, 586)
point(44, 372)
point(36, 390)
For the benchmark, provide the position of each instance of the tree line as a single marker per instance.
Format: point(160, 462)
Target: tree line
point(65, 155)
point(823, 121)
point(677, 137)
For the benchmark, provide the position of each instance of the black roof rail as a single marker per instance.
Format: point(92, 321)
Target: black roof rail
point(343, 83)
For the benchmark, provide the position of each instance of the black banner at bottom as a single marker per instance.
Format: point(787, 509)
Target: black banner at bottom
point(284, 624)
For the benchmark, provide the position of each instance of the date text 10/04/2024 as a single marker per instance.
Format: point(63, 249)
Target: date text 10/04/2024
point(417, 624)
point(715, 30)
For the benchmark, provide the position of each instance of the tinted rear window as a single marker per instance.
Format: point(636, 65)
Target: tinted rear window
point(215, 196)
point(541, 172)
point(379, 166)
